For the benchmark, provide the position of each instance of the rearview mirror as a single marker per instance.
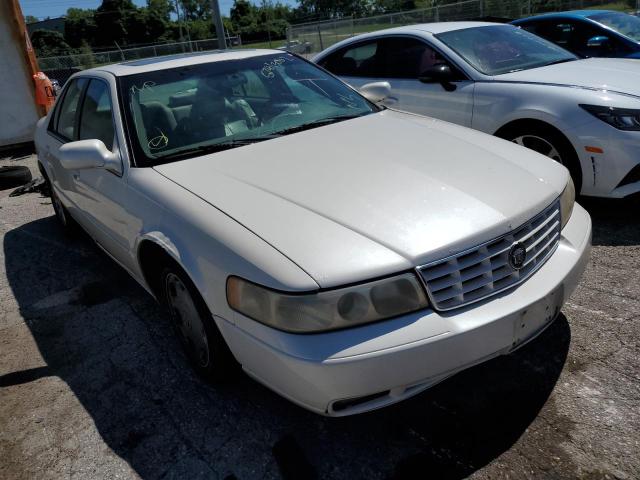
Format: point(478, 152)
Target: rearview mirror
point(599, 41)
point(376, 92)
point(440, 73)
point(84, 154)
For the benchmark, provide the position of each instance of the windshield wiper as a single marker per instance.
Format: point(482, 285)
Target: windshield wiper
point(212, 148)
point(316, 123)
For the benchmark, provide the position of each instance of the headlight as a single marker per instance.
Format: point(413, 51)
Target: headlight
point(620, 118)
point(567, 199)
point(328, 310)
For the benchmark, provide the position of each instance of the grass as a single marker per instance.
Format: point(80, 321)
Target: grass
point(274, 44)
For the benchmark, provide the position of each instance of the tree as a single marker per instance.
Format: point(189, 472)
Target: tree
point(30, 19)
point(160, 8)
point(79, 27)
point(196, 9)
point(49, 43)
point(157, 19)
point(112, 20)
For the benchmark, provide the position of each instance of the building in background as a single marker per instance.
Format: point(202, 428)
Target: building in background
point(54, 24)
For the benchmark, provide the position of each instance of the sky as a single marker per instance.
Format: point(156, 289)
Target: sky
point(57, 8)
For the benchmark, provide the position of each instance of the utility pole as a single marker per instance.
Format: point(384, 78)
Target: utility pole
point(217, 22)
point(179, 24)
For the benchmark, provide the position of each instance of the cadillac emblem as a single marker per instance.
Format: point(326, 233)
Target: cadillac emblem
point(517, 256)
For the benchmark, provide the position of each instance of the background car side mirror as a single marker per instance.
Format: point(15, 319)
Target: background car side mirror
point(440, 73)
point(599, 42)
point(84, 154)
point(375, 92)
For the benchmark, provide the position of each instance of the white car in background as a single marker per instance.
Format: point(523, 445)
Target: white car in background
point(504, 81)
point(346, 256)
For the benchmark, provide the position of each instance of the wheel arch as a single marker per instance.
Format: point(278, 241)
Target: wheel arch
point(154, 251)
point(521, 124)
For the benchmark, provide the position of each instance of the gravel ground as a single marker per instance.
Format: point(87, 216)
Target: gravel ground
point(93, 384)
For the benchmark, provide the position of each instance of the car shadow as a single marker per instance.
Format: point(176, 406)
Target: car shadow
point(616, 222)
point(105, 337)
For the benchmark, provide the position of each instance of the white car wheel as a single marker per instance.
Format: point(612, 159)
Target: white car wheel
point(194, 324)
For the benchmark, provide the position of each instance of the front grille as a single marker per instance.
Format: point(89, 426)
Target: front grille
point(485, 270)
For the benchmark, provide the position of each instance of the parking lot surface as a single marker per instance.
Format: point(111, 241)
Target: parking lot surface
point(93, 383)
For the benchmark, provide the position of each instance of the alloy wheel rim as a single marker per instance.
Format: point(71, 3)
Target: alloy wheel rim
point(187, 318)
point(540, 145)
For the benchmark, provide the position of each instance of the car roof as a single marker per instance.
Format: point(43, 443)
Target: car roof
point(576, 14)
point(436, 27)
point(181, 60)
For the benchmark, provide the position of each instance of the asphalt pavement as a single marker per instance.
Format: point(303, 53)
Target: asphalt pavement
point(93, 383)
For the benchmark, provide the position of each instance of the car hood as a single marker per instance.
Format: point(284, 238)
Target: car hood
point(375, 195)
point(614, 74)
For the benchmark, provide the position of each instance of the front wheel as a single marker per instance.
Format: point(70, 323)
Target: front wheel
point(549, 142)
point(195, 327)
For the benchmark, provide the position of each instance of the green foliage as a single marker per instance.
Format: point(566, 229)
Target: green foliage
point(30, 19)
point(196, 9)
point(48, 43)
point(79, 27)
point(123, 23)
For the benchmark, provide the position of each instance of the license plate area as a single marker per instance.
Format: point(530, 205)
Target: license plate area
point(533, 319)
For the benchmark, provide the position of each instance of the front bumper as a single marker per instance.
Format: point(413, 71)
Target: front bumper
point(364, 368)
point(604, 172)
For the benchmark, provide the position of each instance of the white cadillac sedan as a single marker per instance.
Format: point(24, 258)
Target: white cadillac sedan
point(344, 255)
point(505, 81)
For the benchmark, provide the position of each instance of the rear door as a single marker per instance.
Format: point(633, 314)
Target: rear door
point(63, 128)
point(400, 60)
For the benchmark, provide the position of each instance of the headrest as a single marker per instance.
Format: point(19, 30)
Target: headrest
point(182, 99)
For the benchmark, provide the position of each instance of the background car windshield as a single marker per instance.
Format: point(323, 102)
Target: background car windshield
point(202, 105)
point(498, 49)
point(627, 25)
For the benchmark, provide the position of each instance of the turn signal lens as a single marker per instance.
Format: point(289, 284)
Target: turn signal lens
point(327, 310)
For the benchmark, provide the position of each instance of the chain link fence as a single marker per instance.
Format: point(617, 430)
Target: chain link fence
point(82, 61)
point(317, 36)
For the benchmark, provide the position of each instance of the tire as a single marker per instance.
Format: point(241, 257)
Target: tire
point(14, 176)
point(201, 340)
point(65, 220)
point(548, 141)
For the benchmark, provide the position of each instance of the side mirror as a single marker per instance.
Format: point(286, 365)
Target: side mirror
point(84, 154)
point(599, 41)
point(376, 92)
point(440, 73)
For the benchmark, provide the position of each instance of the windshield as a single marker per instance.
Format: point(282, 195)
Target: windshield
point(498, 49)
point(185, 111)
point(627, 25)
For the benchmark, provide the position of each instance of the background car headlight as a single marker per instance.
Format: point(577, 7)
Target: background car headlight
point(327, 310)
point(567, 199)
point(620, 118)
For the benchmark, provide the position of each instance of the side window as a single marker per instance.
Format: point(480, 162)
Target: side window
point(406, 57)
point(585, 32)
point(96, 120)
point(558, 32)
point(361, 60)
point(66, 115)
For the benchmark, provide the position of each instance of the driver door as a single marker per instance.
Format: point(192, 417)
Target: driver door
point(100, 192)
point(400, 60)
